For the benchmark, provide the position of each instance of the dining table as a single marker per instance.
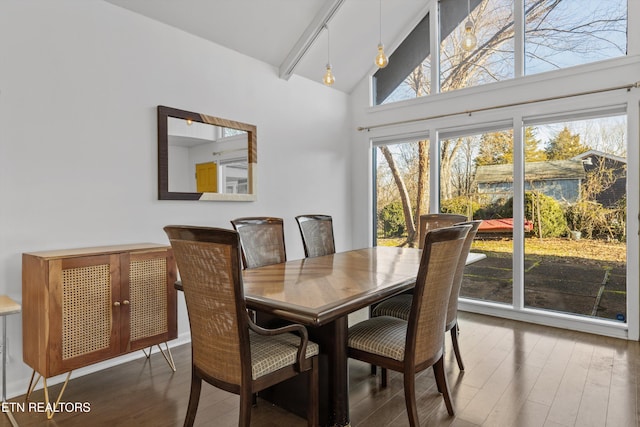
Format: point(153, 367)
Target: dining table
point(320, 293)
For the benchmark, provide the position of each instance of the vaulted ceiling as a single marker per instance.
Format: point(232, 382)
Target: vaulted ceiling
point(276, 31)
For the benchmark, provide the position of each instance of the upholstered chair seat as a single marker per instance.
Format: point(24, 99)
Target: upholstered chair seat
point(384, 336)
point(271, 353)
point(397, 306)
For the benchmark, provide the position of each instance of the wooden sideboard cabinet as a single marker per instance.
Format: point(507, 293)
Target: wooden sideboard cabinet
point(82, 306)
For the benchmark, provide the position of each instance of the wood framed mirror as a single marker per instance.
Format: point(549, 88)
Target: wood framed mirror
point(202, 157)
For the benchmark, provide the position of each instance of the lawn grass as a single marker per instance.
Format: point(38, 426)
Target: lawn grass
point(587, 249)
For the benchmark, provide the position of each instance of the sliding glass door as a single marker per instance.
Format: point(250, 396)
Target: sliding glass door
point(575, 198)
point(552, 197)
point(476, 180)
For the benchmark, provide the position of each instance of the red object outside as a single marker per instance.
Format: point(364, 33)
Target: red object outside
point(501, 225)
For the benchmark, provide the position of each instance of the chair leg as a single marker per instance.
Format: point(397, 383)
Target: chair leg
point(246, 399)
point(194, 398)
point(383, 376)
point(313, 409)
point(456, 349)
point(443, 386)
point(410, 398)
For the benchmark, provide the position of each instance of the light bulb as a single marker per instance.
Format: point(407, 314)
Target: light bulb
point(469, 40)
point(381, 58)
point(189, 121)
point(328, 78)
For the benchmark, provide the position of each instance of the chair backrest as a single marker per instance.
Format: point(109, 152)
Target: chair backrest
point(430, 222)
point(426, 328)
point(452, 312)
point(208, 260)
point(317, 235)
point(262, 240)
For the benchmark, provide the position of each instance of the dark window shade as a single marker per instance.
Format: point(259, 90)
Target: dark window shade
point(416, 47)
point(452, 13)
point(411, 52)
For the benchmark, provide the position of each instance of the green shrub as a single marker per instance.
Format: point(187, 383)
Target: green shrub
point(460, 205)
point(391, 220)
point(545, 212)
point(495, 210)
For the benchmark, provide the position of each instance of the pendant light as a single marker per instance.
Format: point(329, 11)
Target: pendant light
point(328, 78)
point(469, 40)
point(381, 58)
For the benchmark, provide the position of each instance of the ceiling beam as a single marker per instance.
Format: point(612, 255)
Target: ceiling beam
point(324, 15)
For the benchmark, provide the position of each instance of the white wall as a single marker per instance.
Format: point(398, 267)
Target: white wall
point(79, 86)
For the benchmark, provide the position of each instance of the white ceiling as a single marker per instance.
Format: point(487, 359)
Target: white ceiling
point(269, 30)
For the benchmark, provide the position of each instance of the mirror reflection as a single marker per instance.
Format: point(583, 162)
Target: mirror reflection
point(207, 158)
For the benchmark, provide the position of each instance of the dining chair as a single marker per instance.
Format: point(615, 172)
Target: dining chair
point(427, 222)
point(400, 305)
point(410, 346)
point(438, 220)
point(228, 350)
point(262, 240)
point(317, 235)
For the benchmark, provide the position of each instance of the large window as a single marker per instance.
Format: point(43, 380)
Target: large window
point(408, 74)
point(476, 172)
point(561, 34)
point(493, 57)
point(575, 198)
point(557, 34)
point(402, 190)
point(552, 197)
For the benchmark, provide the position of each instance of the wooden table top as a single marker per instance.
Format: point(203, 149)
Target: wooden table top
point(315, 291)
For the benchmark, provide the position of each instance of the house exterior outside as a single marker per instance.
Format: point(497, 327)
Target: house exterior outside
point(559, 179)
point(593, 161)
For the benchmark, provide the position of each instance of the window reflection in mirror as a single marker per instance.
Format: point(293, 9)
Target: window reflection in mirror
point(202, 157)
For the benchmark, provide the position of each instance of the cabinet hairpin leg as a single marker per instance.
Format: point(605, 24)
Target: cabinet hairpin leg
point(32, 385)
point(49, 409)
point(51, 412)
point(165, 353)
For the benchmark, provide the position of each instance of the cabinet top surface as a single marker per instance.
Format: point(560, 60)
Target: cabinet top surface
point(65, 253)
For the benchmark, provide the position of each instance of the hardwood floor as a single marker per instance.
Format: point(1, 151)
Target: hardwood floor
point(517, 374)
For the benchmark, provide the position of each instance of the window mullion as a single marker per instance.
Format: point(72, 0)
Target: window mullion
point(434, 171)
point(518, 39)
point(518, 213)
point(434, 40)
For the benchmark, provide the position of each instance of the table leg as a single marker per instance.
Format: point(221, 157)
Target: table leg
point(334, 396)
point(333, 343)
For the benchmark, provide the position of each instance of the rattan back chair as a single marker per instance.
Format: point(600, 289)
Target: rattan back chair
point(410, 346)
point(317, 235)
point(430, 222)
point(262, 240)
point(228, 350)
point(400, 305)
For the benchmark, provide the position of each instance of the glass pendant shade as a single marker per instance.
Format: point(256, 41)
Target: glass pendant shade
point(469, 40)
point(328, 78)
point(381, 58)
